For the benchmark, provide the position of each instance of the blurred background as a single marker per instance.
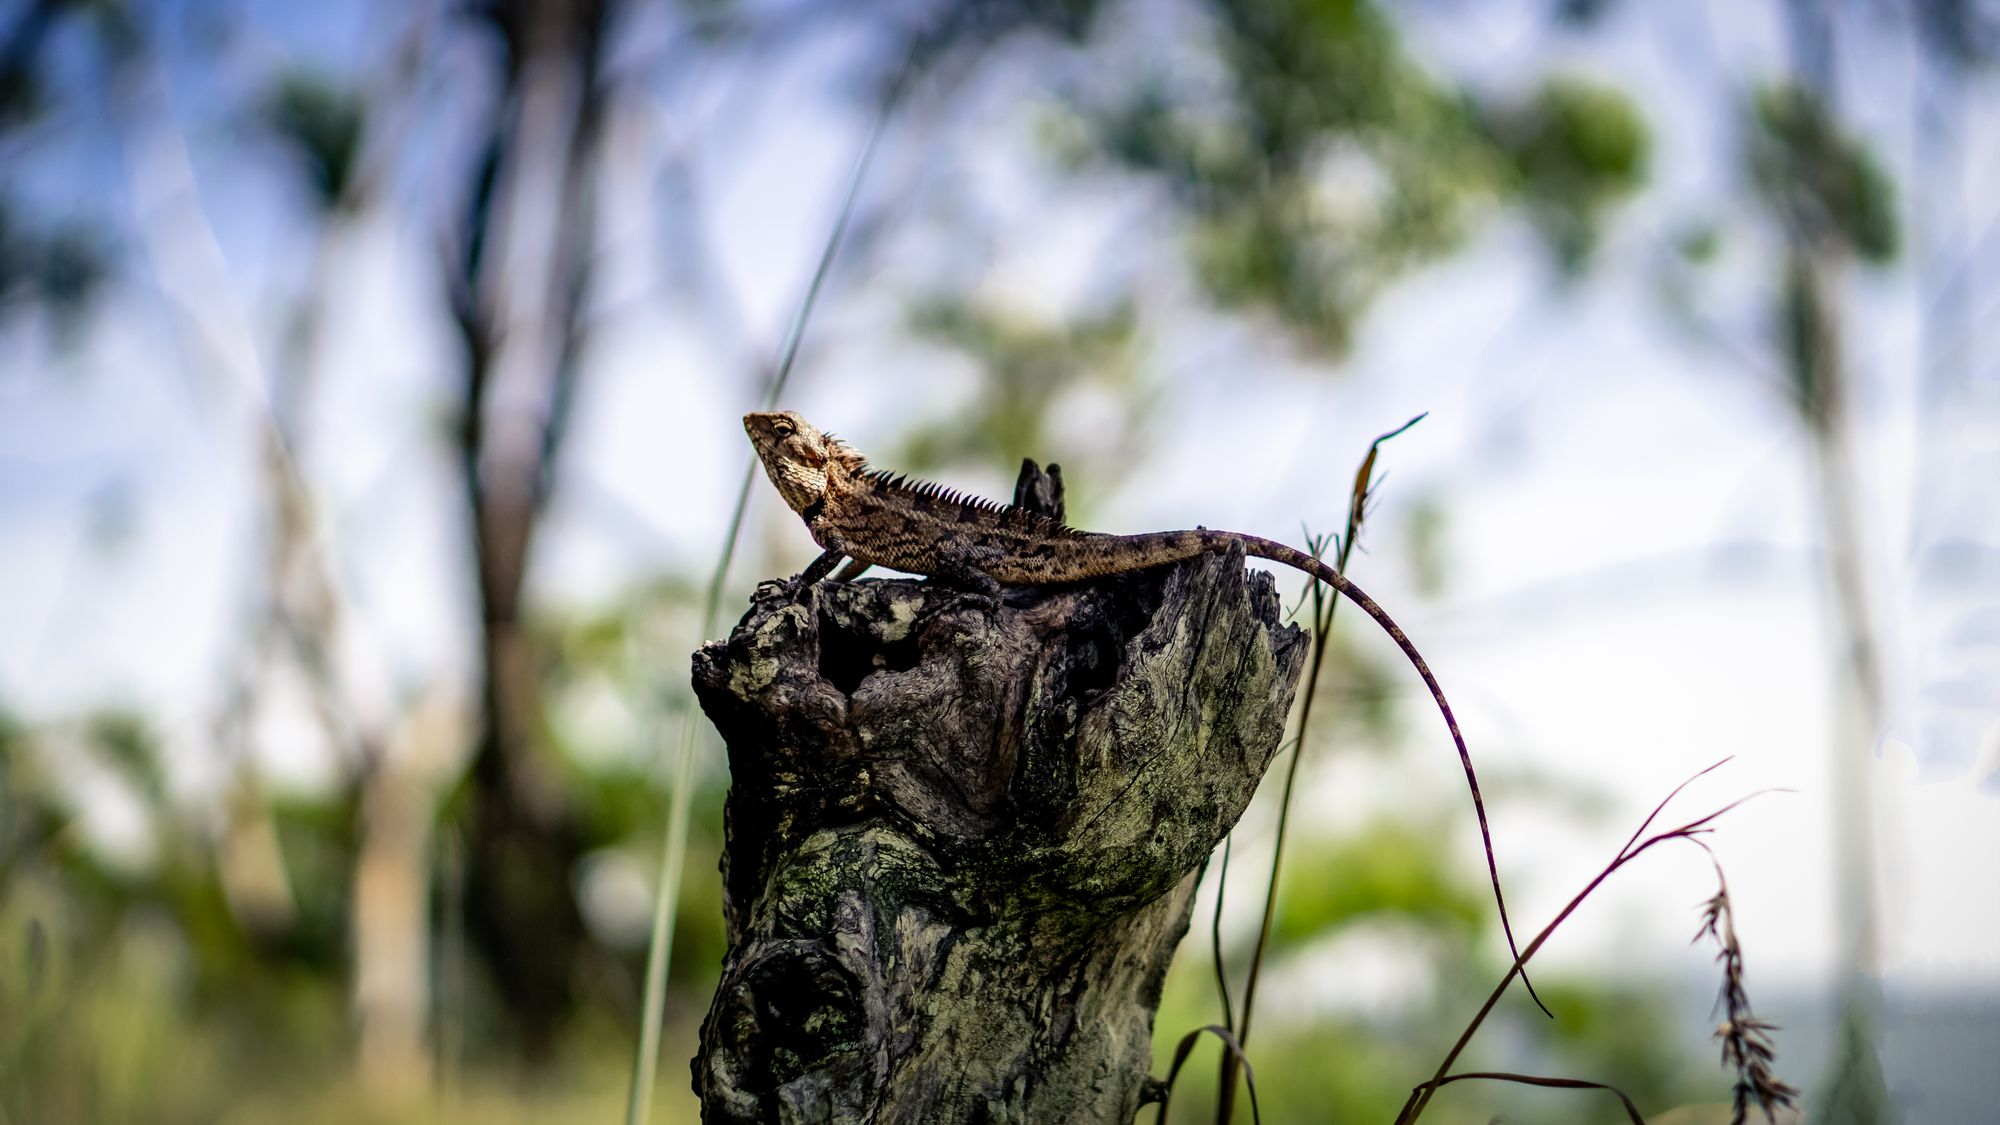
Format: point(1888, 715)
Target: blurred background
point(370, 378)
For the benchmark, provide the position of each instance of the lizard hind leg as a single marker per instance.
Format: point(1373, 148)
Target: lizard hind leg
point(962, 563)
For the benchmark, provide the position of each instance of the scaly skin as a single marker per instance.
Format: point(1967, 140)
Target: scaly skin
point(873, 518)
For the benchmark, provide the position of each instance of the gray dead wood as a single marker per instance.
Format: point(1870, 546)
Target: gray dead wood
point(963, 843)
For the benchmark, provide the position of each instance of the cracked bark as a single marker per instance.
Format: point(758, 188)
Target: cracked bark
point(963, 844)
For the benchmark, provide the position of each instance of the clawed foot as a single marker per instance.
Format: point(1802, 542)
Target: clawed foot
point(792, 590)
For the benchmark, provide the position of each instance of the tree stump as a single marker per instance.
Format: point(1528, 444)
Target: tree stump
point(963, 841)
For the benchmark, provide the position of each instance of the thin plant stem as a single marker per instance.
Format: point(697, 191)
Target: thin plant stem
point(1631, 1110)
point(659, 948)
point(1186, 1046)
point(788, 351)
point(1215, 938)
point(1322, 618)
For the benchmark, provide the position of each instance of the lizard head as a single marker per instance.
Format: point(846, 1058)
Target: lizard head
point(797, 456)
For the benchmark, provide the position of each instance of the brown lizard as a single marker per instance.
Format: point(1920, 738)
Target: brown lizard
point(873, 518)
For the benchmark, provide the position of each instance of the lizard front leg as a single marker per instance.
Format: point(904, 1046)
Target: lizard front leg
point(794, 588)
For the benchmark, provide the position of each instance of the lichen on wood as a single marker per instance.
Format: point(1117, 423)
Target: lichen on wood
point(963, 839)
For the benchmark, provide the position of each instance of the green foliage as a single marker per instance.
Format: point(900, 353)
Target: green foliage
point(1699, 243)
point(13, 735)
point(58, 267)
point(146, 993)
point(1333, 163)
point(1814, 175)
point(322, 124)
point(1360, 693)
point(609, 711)
point(1426, 540)
point(1965, 33)
point(1069, 19)
point(1584, 13)
point(56, 264)
point(1304, 69)
point(1384, 868)
point(1029, 369)
point(1330, 1070)
point(160, 990)
point(1577, 147)
point(978, 27)
point(68, 267)
point(27, 821)
point(124, 742)
point(59, 263)
point(1610, 1031)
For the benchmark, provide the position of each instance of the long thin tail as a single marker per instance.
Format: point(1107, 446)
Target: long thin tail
point(1292, 557)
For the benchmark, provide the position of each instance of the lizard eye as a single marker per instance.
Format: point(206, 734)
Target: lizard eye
point(782, 428)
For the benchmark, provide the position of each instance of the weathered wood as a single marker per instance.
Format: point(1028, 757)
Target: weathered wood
point(963, 840)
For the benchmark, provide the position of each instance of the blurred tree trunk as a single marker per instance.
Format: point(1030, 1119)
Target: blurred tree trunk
point(518, 289)
point(343, 142)
point(1816, 257)
point(295, 623)
point(963, 844)
point(392, 897)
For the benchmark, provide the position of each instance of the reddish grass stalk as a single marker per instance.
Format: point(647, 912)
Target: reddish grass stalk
point(1633, 849)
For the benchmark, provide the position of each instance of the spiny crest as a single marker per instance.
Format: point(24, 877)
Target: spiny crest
point(1005, 515)
point(839, 450)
